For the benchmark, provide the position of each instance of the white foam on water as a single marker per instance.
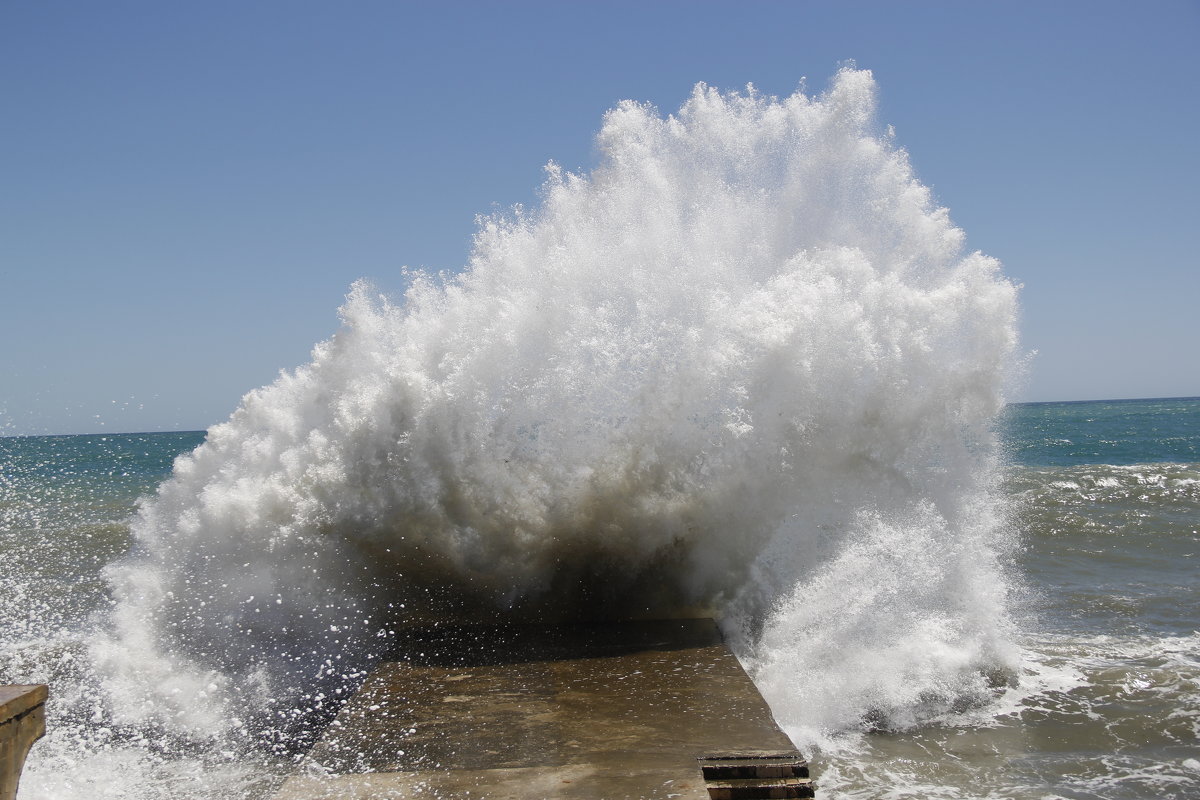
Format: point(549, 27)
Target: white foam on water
point(745, 364)
point(1091, 716)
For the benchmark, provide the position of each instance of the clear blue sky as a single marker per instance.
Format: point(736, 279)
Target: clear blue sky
point(187, 190)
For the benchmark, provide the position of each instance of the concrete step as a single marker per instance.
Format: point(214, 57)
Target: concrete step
point(760, 788)
point(22, 722)
point(754, 764)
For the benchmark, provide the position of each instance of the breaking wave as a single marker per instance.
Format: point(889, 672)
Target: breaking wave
point(746, 367)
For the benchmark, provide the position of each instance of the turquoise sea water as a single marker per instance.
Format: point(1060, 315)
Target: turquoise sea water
point(64, 506)
point(1106, 496)
point(1113, 432)
point(1110, 504)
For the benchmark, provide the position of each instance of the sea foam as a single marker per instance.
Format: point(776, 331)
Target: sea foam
point(745, 366)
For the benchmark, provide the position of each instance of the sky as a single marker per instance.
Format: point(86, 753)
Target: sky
point(188, 190)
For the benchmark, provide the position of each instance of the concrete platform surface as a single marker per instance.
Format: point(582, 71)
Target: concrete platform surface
point(22, 722)
point(568, 782)
point(613, 710)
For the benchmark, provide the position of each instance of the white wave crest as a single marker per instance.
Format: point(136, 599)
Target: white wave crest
point(745, 365)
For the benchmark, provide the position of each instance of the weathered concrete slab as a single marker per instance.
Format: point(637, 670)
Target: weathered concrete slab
point(613, 710)
point(568, 782)
point(22, 722)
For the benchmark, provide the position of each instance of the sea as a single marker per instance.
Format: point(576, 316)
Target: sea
point(747, 366)
point(1106, 702)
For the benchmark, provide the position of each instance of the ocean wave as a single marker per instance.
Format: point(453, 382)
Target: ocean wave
point(745, 366)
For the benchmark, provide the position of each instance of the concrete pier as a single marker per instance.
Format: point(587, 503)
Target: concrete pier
point(635, 710)
point(22, 722)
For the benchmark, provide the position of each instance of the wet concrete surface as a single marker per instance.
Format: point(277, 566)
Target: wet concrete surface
point(22, 722)
point(606, 710)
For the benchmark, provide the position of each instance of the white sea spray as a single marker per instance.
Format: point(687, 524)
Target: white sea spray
point(746, 364)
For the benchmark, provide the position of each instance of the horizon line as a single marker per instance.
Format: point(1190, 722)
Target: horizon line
point(205, 430)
